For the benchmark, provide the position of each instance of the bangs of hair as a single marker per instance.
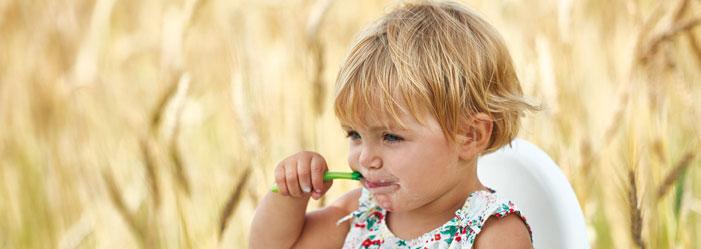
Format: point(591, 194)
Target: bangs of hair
point(371, 88)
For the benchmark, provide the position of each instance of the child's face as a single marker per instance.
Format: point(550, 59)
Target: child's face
point(405, 168)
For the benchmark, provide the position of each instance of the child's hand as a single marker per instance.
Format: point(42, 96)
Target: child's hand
point(302, 175)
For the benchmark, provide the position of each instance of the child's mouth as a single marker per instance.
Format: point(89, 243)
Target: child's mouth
point(380, 187)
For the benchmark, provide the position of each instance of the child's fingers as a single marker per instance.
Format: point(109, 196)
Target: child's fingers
point(327, 186)
point(318, 168)
point(303, 174)
point(292, 180)
point(281, 180)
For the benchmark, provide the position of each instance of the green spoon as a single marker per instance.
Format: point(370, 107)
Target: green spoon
point(329, 175)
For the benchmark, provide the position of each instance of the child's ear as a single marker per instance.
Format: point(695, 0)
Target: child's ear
point(474, 135)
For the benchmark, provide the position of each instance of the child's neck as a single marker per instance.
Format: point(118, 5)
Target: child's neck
point(414, 223)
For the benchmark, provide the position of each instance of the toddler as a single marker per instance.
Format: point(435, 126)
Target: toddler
point(425, 91)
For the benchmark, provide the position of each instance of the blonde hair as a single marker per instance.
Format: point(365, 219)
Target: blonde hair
point(432, 57)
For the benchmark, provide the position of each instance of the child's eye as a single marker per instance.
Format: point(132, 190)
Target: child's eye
point(353, 135)
point(392, 138)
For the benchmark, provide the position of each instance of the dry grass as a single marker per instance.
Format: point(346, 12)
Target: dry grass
point(156, 124)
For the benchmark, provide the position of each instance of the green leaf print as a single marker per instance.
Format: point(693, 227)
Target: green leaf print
point(449, 231)
point(371, 223)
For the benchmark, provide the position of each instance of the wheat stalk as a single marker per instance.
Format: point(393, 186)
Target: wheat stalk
point(675, 30)
point(317, 51)
point(173, 106)
point(151, 167)
point(636, 217)
point(118, 202)
point(85, 69)
point(674, 174)
point(158, 114)
point(242, 112)
point(233, 201)
point(173, 127)
point(647, 45)
point(666, 35)
point(179, 164)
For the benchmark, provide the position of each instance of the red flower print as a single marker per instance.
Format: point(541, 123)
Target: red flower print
point(458, 238)
point(367, 242)
point(438, 237)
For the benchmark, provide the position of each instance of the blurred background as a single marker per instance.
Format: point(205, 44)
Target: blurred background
point(156, 124)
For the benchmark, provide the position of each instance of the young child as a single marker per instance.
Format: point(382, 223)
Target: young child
point(423, 93)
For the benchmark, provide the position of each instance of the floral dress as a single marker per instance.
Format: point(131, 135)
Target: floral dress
point(369, 229)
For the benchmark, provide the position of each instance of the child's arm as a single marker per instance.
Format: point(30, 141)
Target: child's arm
point(280, 220)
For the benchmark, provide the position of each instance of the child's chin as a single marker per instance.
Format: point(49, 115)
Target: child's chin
point(386, 201)
point(387, 206)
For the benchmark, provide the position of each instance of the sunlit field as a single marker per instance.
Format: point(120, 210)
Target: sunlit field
point(157, 124)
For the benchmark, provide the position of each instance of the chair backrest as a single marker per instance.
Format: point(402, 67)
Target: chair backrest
point(525, 174)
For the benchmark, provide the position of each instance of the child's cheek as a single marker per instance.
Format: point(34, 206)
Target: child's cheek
point(353, 159)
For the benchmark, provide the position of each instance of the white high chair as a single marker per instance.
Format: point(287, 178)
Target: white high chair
point(526, 175)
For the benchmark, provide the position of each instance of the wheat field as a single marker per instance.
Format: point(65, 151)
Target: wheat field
point(156, 124)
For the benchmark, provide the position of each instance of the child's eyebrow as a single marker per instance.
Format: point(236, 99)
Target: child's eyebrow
point(378, 128)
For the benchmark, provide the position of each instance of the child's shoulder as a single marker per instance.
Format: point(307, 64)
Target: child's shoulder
point(496, 217)
point(496, 228)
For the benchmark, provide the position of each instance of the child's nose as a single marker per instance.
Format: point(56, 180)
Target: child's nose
point(369, 158)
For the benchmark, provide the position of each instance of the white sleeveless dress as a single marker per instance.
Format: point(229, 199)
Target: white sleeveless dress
point(369, 229)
